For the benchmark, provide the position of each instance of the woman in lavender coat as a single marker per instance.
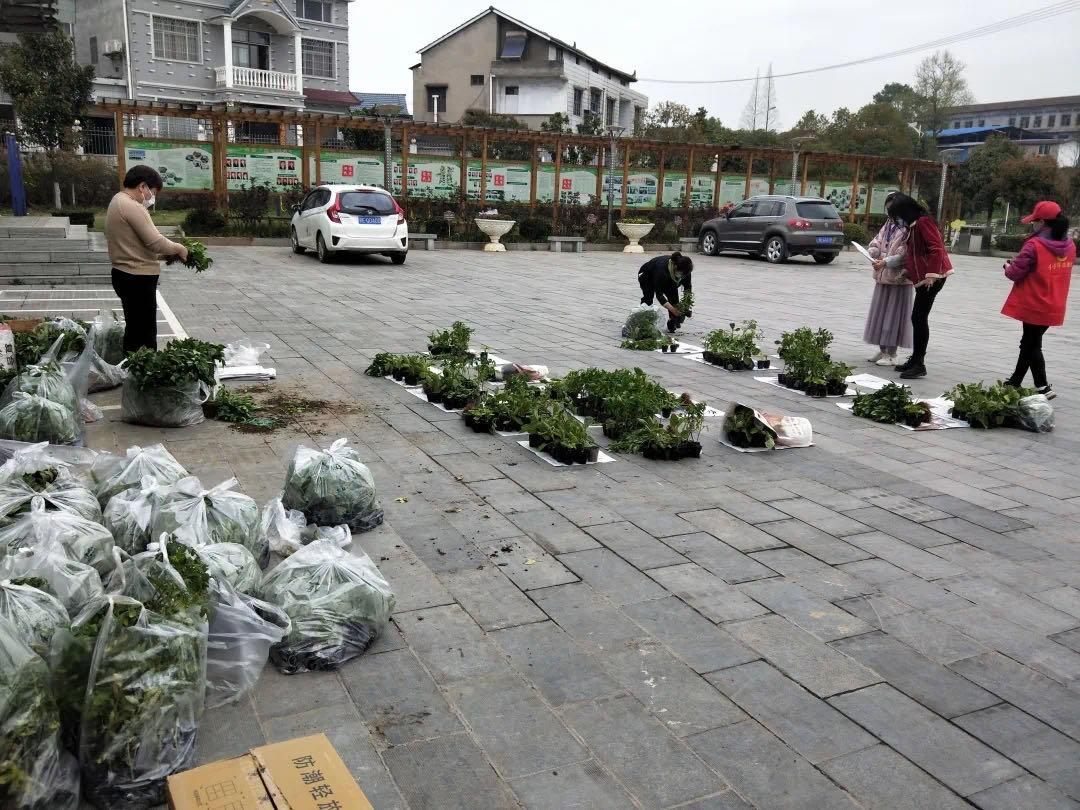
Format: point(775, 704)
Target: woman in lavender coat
point(888, 325)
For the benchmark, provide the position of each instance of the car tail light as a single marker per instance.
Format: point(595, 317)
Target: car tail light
point(332, 211)
point(802, 224)
point(400, 213)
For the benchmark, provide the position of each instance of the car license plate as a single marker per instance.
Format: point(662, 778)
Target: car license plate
point(825, 240)
point(369, 220)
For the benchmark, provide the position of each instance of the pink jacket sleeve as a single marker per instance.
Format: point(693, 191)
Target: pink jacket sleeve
point(1024, 263)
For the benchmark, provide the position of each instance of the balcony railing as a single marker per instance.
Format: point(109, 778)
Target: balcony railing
point(251, 78)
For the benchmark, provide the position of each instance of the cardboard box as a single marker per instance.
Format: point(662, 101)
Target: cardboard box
point(25, 324)
point(301, 774)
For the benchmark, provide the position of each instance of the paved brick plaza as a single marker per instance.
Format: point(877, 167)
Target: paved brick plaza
point(885, 620)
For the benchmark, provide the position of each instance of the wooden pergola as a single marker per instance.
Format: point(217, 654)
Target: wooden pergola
point(221, 116)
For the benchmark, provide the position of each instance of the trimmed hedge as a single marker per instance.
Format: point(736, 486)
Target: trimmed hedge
point(1010, 242)
point(854, 232)
point(77, 217)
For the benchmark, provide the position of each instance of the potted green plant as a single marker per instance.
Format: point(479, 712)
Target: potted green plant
point(494, 227)
point(743, 429)
point(733, 348)
point(433, 386)
point(634, 229)
point(916, 413)
point(886, 405)
point(452, 341)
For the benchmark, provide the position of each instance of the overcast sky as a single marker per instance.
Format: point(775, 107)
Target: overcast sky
point(712, 39)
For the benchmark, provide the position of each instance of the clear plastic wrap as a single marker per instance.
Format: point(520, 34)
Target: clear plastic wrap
point(35, 773)
point(103, 376)
point(24, 457)
point(82, 540)
point(338, 603)
point(232, 563)
point(144, 696)
point(287, 530)
point(33, 613)
point(179, 406)
point(55, 485)
point(111, 474)
point(128, 514)
point(642, 316)
point(1035, 413)
point(107, 337)
point(244, 352)
point(45, 380)
point(218, 515)
point(30, 418)
point(332, 487)
point(242, 631)
point(74, 583)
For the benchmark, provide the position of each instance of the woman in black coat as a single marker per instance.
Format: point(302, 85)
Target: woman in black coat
point(661, 278)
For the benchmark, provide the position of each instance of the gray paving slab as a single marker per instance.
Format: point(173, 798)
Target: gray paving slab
point(880, 778)
point(652, 764)
point(947, 753)
point(1016, 576)
point(1010, 604)
point(826, 581)
point(802, 657)
point(821, 494)
point(707, 593)
point(1008, 547)
point(580, 786)
point(692, 637)
point(1027, 791)
point(719, 558)
point(493, 601)
point(901, 554)
point(612, 576)
point(912, 533)
point(928, 636)
point(526, 563)
point(637, 547)
point(736, 533)
point(277, 694)
point(579, 509)
point(987, 518)
point(519, 734)
point(450, 643)
point(551, 660)
point(468, 467)
point(728, 800)
point(553, 532)
point(587, 616)
point(1070, 639)
point(821, 517)
point(873, 571)
point(767, 772)
point(902, 506)
point(808, 724)
point(1054, 704)
point(814, 541)
point(654, 520)
point(1045, 752)
point(1065, 598)
point(928, 682)
point(448, 772)
point(506, 496)
point(809, 611)
point(927, 596)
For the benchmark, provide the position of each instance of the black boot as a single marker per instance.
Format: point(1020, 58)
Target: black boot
point(911, 361)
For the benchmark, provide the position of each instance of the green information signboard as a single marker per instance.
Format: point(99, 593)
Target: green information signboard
point(276, 166)
point(577, 184)
point(182, 166)
point(362, 168)
point(505, 181)
point(437, 177)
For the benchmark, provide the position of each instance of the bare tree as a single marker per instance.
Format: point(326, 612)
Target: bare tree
point(939, 80)
point(751, 116)
point(772, 118)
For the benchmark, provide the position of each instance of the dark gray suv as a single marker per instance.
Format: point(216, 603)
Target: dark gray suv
point(777, 227)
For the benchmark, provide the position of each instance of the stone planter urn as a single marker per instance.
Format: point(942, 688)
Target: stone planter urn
point(495, 229)
point(634, 231)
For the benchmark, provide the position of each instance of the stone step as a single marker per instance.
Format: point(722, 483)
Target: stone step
point(16, 244)
point(18, 232)
point(47, 256)
point(37, 226)
point(80, 268)
point(57, 281)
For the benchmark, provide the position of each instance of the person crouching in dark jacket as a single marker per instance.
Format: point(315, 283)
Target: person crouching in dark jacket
point(661, 278)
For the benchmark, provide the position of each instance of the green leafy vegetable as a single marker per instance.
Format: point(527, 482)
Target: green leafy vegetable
point(179, 363)
point(886, 405)
point(30, 418)
point(197, 255)
point(232, 407)
point(332, 487)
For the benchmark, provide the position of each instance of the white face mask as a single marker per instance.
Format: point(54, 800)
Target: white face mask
point(151, 201)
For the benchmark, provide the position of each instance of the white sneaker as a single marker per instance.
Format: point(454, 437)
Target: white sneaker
point(886, 360)
point(876, 357)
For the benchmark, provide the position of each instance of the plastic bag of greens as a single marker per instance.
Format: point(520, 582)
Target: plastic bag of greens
point(175, 406)
point(338, 603)
point(32, 612)
point(641, 318)
point(103, 376)
point(35, 773)
point(107, 337)
point(30, 418)
point(287, 530)
point(169, 578)
point(59, 489)
point(232, 563)
point(242, 631)
point(128, 514)
point(47, 381)
point(74, 583)
point(1035, 413)
point(332, 487)
point(217, 515)
point(81, 539)
point(21, 457)
point(144, 697)
point(111, 475)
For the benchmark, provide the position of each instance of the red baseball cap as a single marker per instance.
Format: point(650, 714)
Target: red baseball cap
point(1047, 209)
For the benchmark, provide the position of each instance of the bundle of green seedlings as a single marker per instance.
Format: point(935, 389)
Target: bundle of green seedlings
point(743, 429)
point(460, 382)
point(891, 404)
point(508, 410)
point(808, 366)
point(676, 440)
point(162, 387)
point(996, 406)
point(229, 406)
point(554, 430)
point(735, 348)
point(619, 399)
point(197, 257)
point(452, 341)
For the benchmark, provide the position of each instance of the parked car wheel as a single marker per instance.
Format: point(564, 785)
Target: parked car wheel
point(709, 243)
point(325, 256)
point(824, 258)
point(399, 258)
point(775, 250)
point(296, 247)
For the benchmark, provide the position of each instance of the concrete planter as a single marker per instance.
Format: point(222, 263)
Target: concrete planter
point(495, 229)
point(634, 231)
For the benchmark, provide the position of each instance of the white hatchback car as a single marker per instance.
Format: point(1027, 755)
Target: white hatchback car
point(356, 219)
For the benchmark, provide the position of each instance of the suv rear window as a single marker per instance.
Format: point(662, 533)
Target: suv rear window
point(366, 202)
point(816, 210)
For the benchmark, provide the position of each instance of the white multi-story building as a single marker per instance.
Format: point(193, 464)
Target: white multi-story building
point(501, 65)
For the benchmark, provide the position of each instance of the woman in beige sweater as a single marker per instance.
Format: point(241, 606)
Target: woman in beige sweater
point(135, 248)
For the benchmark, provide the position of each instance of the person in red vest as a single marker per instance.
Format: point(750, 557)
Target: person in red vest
point(1040, 274)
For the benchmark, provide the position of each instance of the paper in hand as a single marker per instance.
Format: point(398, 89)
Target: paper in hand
point(863, 251)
